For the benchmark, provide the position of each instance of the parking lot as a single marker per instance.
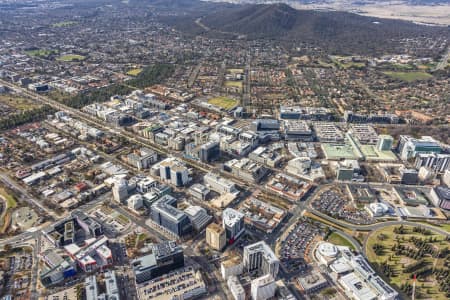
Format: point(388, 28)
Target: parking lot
point(336, 205)
point(296, 246)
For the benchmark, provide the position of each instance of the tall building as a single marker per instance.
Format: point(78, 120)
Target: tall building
point(120, 191)
point(385, 142)
point(165, 257)
point(209, 151)
point(437, 162)
point(165, 214)
point(199, 217)
point(261, 258)
point(263, 287)
point(446, 178)
point(408, 147)
point(236, 288)
point(215, 236)
point(173, 171)
point(233, 223)
point(440, 196)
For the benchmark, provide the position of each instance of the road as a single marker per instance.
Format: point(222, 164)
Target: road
point(444, 61)
point(12, 184)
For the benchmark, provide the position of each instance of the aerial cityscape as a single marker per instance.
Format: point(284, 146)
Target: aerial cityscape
point(188, 149)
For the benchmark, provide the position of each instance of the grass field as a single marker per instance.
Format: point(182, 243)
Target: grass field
point(10, 200)
point(223, 102)
point(236, 84)
point(18, 103)
point(134, 72)
point(235, 71)
point(337, 239)
point(408, 76)
point(42, 53)
point(10, 204)
point(71, 57)
point(427, 287)
point(64, 24)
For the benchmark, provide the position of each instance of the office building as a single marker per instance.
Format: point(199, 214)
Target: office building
point(209, 151)
point(364, 134)
point(219, 184)
point(446, 178)
point(120, 191)
point(112, 289)
point(231, 267)
point(215, 236)
point(439, 163)
point(246, 169)
point(408, 147)
point(233, 223)
point(312, 283)
point(328, 133)
point(198, 216)
point(263, 287)
point(173, 171)
point(265, 125)
point(143, 158)
point(385, 142)
point(440, 195)
point(165, 213)
point(91, 288)
point(409, 176)
point(297, 131)
point(260, 257)
point(164, 258)
point(199, 191)
point(236, 288)
point(305, 113)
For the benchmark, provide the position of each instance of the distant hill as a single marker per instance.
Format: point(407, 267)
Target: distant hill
point(336, 32)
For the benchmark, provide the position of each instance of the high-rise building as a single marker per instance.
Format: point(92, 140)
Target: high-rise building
point(209, 151)
point(165, 257)
point(173, 171)
point(165, 213)
point(261, 258)
point(263, 287)
point(385, 142)
point(120, 191)
point(437, 162)
point(440, 196)
point(199, 217)
point(215, 236)
point(233, 223)
point(236, 288)
point(408, 147)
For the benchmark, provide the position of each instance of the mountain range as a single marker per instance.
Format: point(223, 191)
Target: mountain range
point(335, 32)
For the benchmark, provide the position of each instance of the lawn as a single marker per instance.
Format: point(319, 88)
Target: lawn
point(337, 239)
point(235, 84)
point(10, 200)
point(427, 284)
point(18, 103)
point(223, 102)
point(134, 72)
point(235, 71)
point(42, 53)
point(64, 24)
point(408, 76)
point(71, 57)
